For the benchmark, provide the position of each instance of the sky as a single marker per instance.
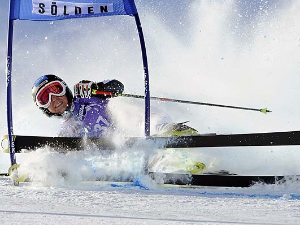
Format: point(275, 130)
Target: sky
point(242, 53)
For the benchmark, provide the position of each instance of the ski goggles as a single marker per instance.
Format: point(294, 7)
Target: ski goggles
point(43, 97)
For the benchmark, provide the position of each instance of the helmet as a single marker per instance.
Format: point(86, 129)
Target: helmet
point(42, 82)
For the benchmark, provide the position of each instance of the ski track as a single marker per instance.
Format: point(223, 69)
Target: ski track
point(99, 203)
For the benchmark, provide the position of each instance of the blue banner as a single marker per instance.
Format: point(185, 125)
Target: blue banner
point(66, 9)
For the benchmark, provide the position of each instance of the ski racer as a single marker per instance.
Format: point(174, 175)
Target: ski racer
point(85, 113)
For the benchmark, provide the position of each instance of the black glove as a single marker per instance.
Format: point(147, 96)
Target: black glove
point(113, 86)
point(87, 89)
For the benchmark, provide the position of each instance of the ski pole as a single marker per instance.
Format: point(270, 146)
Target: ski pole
point(264, 110)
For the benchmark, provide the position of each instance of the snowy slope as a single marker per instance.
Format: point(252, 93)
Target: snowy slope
point(96, 203)
point(64, 190)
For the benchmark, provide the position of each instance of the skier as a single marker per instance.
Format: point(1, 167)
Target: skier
point(85, 113)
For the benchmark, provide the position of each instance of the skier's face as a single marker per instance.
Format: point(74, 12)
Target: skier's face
point(58, 104)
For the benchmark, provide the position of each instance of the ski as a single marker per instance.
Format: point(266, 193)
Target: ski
point(4, 174)
point(218, 179)
point(61, 144)
point(196, 141)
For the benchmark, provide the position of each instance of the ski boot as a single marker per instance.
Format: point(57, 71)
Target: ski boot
point(175, 129)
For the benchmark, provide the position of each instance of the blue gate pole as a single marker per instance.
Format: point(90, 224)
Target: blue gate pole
point(146, 74)
point(9, 101)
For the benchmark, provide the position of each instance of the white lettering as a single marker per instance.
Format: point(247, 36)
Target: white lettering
point(101, 123)
point(81, 112)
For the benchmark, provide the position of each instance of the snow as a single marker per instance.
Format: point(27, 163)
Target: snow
point(226, 52)
point(98, 203)
point(65, 188)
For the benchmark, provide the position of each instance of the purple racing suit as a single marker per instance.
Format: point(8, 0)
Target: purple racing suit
point(87, 117)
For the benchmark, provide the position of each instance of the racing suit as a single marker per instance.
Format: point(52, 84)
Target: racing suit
point(88, 114)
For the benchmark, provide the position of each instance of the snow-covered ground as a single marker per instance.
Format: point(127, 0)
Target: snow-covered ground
point(98, 203)
point(63, 189)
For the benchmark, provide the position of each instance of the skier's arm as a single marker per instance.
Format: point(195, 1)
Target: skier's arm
point(70, 128)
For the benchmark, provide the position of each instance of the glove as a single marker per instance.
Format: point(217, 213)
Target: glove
point(115, 88)
point(83, 89)
point(87, 89)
